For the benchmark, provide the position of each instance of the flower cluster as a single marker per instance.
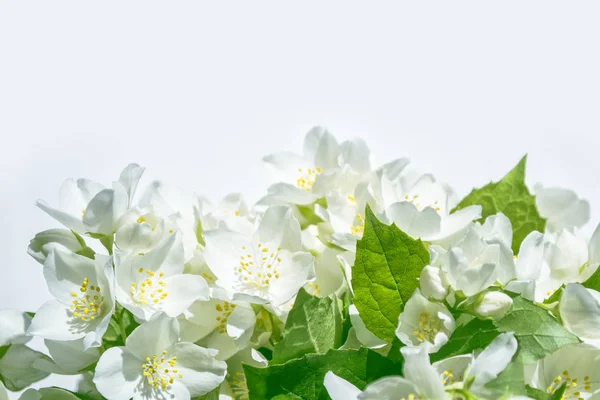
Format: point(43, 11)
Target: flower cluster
point(345, 281)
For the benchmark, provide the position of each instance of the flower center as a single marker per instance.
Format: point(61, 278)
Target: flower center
point(225, 309)
point(427, 328)
point(88, 304)
point(574, 386)
point(307, 178)
point(258, 269)
point(448, 378)
point(160, 372)
point(150, 288)
point(359, 226)
point(414, 200)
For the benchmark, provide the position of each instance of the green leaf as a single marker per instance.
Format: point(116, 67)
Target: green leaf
point(314, 325)
point(56, 393)
point(538, 394)
point(394, 354)
point(593, 282)
point(511, 197)
point(121, 325)
point(536, 330)
point(385, 274)
point(474, 335)
point(303, 378)
point(510, 382)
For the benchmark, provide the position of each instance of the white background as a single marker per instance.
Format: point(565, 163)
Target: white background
point(199, 92)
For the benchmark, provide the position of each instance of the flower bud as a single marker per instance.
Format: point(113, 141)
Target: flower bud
point(493, 304)
point(43, 243)
point(432, 283)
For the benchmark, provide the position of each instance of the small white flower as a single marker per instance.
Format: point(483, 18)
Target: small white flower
point(221, 324)
point(295, 176)
point(493, 304)
point(577, 365)
point(86, 206)
point(420, 206)
point(153, 282)
point(84, 299)
point(424, 323)
point(482, 257)
point(154, 364)
point(422, 380)
point(547, 261)
point(580, 312)
point(267, 266)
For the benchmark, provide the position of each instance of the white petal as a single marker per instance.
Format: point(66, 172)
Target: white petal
point(286, 193)
point(129, 179)
point(389, 388)
point(153, 337)
point(561, 207)
point(117, 374)
point(340, 389)
point(366, 337)
point(65, 272)
point(321, 147)
point(295, 272)
point(493, 359)
point(222, 254)
point(417, 224)
point(419, 371)
point(241, 321)
point(17, 367)
point(53, 321)
point(68, 220)
point(201, 372)
point(531, 257)
point(356, 153)
point(182, 291)
point(13, 327)
point(580, 312)
point(70, 356)
point(278, 227)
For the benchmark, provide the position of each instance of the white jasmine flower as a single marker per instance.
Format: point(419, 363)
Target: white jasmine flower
point(222, 324)
point(295, 176)
point(84, 299)
point(153, 282)
point(422, 380)
point(420, 206)
point(482, 257)
point(86, 206)
point(154, 364)
point(424, 323)
point(547, 261)
point(267, 266)
point(577, 366)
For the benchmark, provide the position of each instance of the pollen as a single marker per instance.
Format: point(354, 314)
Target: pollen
point(160, 372)
point(91, 306)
